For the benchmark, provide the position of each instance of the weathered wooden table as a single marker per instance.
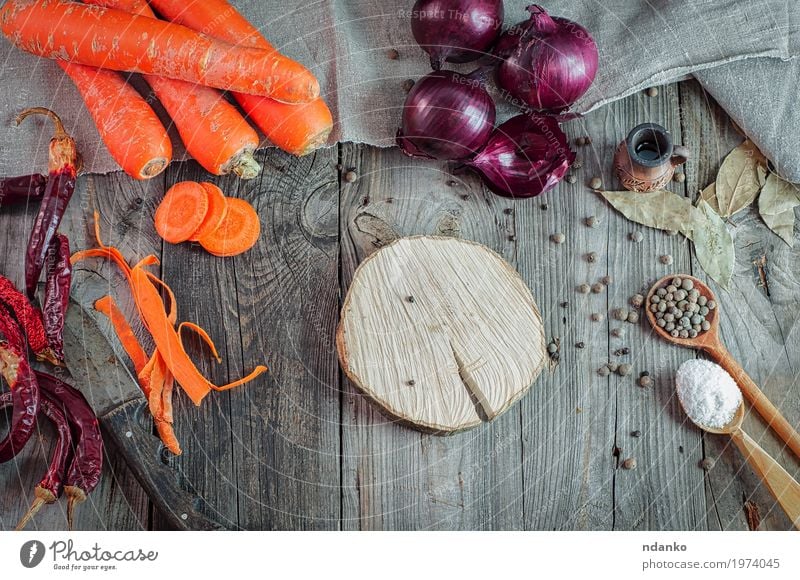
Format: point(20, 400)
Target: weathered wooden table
point(301, 449)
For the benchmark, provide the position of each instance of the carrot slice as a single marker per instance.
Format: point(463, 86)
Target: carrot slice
point(168, 343)
point(203, 335)
point(237, 233)
point(181, 212)
point(217, 209)
point(106, 305)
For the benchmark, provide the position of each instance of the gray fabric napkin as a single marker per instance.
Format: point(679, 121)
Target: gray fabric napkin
point(345, 43)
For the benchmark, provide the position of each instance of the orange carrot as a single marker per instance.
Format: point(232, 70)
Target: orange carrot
point(106, 305)
point(211, 128)
point(237, 233)
point(160, 402)
point(109, 38)
point(297, 129)
point(168, 343)
point(130, 129)
point(181, 212)
point(217, 210)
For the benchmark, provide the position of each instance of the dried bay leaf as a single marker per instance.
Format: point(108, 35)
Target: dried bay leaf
point(713, 245)
point(739, 180)
point(659, 209)
point(709, 195)
point(776, 206)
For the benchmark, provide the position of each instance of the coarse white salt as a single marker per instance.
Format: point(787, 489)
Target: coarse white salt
point(709, 395)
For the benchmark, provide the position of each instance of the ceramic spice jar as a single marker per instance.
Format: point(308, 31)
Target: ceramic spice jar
point(646, 159)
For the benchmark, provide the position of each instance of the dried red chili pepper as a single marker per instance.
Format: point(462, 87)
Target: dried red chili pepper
point(56, 294)
point(63, 169)
point(86, 469)
point(29, 318)
point(22, 189)
point(49, 489)
point(18, 374)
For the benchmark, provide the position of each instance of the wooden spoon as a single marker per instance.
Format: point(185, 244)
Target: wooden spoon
point(783, 486)
point(710, 342)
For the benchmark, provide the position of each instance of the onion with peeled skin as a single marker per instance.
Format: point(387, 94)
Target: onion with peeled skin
point(456, 30)
point(548, 63)
point(525, 156)
point(446, 115)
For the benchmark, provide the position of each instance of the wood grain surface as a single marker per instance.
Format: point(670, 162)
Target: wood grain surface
point(301, 448)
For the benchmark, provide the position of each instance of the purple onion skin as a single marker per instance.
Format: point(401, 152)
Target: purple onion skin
point(456, 30)
point(525, 156)
point(446, 116)
point(548, 63)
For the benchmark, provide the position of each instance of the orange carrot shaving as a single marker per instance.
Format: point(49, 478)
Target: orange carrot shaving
point(237, 233)
point(130, 343)
point(168, 343)
point(161, 380)
point(217, 210)
point(203, 335)
point(181, 212)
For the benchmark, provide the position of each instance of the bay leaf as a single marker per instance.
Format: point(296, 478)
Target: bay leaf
point(709, 195)
point(776, 205)
point(713, 245)
point(659, 209)
point(738, 180)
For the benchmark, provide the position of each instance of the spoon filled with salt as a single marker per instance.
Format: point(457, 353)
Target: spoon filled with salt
point(713, 402)
point(684, 311)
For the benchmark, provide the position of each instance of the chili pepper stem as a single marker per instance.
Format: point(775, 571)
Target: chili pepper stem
point(42, 497)
point(76, 496)
point(60, 132)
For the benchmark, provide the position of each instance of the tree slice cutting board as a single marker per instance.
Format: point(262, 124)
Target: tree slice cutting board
point(441, 333)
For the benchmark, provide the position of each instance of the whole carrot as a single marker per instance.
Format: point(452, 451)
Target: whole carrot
point(215, 134)
point(297, 129)
point(113, 39)
point(130, 129)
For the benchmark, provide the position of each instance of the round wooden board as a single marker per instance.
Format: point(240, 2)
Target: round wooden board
point(441, 333)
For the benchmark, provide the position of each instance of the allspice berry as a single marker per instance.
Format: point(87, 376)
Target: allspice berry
point(707, 464)
point(624, 369)
point(666, 259)
point(629, 463)
point(652, 92)
point(679, 177)
point(637, 237)
point(591, 257)
point(595, 183)
point(591, 221)
point(570, 178)
point(603, 371)
point(558, 238)
point(350, 176)
point(596, 317)
point(597, 287)
point(645, 382)
point(392, 54)
point(584, 289)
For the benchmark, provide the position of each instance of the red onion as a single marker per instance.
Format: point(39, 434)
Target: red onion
point(548, 62)
point(446, 116)
point(527, 155)
point(456, 30)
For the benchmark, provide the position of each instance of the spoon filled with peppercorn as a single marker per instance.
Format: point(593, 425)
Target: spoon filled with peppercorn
point(713, 402)
point(684, 311)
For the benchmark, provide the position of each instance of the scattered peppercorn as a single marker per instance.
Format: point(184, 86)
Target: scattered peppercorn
point(597, 287)
point(570, 178)
point(580, 344)
point(392, 54)
point(666, 259)
point(558, 238)
point(652, 92)
point(645, 382)
point(552, 347)
point(350, 176)
point(624, 351)
point(591, 221)
point(591, 257)
point(410, 299)
point(679, 177)
point(707, 464)
point(596, 316)
point(637, 237)
point(565, 304)
point(633, 317)
point(637, 300)
point(617, 332)
point(411, 383)
point(607, 280)
point(621, 314)
point(595, 183)
point(580, 141)
point(612, 366)
point(624, 369)
point(603, 371)
point(544, 206)
point(636, 433)
point(629, 463)
point(408, 84)
point(584, 289)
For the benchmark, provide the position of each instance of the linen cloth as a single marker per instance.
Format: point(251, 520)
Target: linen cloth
point(740, 51)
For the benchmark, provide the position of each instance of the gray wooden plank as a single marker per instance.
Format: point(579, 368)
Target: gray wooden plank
point(394, 477)
point(118, 503)
point(758, 324)
point(265, 455)
point(578, 425)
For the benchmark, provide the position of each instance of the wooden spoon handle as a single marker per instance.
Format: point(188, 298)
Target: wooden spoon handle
point(782, 485)
point(757, 399)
